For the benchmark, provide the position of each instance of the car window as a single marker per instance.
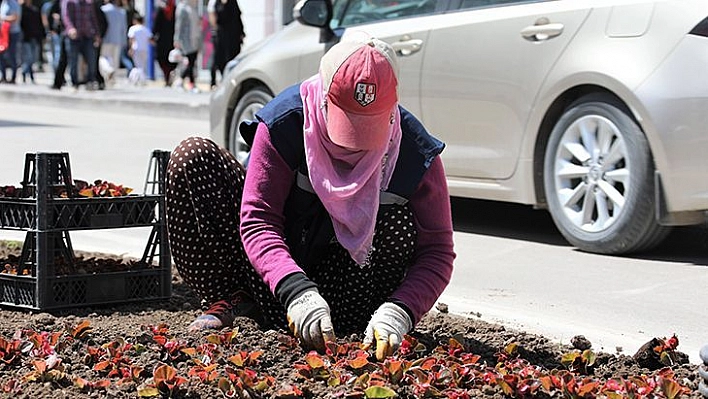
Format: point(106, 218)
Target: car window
point(358, 12)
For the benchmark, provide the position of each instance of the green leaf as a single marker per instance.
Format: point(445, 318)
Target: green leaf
point(512, 348)
point(379, 392)
point(589, 356)
point(671, 388)
point(148, 392)
point(568, 358)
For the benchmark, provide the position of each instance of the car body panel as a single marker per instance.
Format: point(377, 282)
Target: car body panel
point(492, 95)
point(479, 102)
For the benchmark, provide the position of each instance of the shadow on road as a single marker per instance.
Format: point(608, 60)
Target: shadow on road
point(522, 222)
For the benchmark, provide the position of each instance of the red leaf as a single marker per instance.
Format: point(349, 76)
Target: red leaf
point(100, 366)
point(314, 360)
point(164, 373)
point(81, 330)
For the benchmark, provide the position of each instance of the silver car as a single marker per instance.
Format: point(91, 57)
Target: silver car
point(596, 110)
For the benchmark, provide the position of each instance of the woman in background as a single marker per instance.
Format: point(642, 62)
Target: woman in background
point(163, 31)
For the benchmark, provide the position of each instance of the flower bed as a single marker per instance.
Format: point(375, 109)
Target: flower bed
point(143, 350)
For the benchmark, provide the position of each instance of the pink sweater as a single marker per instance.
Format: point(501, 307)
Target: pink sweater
point(268, 183)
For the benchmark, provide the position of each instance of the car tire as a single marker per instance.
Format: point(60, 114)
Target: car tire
point(599, 179)
point(246, 109)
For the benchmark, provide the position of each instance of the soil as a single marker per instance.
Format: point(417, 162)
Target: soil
point(130, 323)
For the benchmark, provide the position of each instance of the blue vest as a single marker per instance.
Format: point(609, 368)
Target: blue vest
point(308, 226)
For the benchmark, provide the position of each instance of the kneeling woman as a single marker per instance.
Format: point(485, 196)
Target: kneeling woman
point(342, 222)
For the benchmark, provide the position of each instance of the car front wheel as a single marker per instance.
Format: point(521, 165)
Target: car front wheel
point(599, 179)
point(246, 109)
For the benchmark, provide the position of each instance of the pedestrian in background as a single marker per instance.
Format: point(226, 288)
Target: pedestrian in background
point(227, 34)
point(83, 34)
point(139, 36)
point(125, 59)
point(163, 32)
point(98, 44)
point(342, 221)
point(10, 17)
point(32, 35)
point(60, 59)
point(188, 39)
point(115, 40)
point(45, 11)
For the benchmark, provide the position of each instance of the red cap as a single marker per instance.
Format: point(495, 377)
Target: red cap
point(359, 79)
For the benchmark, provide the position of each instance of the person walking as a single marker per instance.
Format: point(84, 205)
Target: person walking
point(10, 17)
point(342, 221)
point(188, 39)
point(227, 34)
point(139, 36)
point(32, 36)
point(115, 39)
point(45, 11)
point(163, 32)
point(83, 35)
point(60, 59)
point(98, 44)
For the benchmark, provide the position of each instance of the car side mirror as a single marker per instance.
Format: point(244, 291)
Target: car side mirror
point(317, 13)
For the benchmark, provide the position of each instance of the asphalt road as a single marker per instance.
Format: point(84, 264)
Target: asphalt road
point(513, 267)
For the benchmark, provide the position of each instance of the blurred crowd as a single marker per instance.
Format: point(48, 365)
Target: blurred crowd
point(86, 42)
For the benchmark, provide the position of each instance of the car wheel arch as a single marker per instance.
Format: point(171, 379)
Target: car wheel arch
point(236, 96)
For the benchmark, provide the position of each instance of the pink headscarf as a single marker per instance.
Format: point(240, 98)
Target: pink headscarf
point(347, 182)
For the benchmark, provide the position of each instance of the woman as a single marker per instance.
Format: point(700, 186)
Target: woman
point(344, 211)
point(188, 38)
point(163, 31)
point(10, 14)
point(227, 34)
point(32, 36)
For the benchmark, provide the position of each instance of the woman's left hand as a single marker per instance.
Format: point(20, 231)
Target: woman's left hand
point(387, 327)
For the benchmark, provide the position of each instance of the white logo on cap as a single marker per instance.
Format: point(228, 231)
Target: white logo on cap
point(365, 93)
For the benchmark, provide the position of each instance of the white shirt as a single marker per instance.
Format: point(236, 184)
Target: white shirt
point(141, 36)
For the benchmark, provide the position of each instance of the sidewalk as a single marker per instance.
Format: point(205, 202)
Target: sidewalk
point(153, 98)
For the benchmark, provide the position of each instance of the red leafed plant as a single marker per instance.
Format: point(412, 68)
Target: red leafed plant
point(113, 362)
point(49, 370)
point(165, 381)
point(222, 362)
point(89, 386)
point(81, 331)
point(240, 381)
point(12, 386)
point(172, 349)
point(101, 188)
point(9, 191)
point(578, 362)
point(205, 373)
point(10, 351)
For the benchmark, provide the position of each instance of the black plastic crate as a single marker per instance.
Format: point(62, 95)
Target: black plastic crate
point(82, 290)
point(78, 213)
point(49, 209)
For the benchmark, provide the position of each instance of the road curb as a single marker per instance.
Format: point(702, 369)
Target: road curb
point(179, 108)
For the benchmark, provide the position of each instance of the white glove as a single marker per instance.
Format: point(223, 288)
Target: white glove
point(387, 326)
point(309, 320)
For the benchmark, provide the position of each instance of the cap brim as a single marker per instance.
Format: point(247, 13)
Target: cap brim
point(358, 131)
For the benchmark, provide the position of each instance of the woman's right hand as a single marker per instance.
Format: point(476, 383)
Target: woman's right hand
point(309, 319)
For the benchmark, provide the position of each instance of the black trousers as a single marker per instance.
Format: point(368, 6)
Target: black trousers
point(59, 79)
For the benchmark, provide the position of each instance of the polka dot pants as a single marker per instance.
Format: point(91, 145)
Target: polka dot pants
point(204, 187)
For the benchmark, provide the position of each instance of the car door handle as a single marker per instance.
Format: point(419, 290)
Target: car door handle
point(407, 46)
point(542, 31)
